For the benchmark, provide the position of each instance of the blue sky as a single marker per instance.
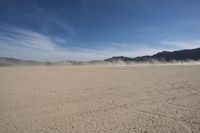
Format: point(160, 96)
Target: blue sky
point(96, 29)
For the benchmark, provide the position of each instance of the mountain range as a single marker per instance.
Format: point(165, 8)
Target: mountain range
point(164, 56)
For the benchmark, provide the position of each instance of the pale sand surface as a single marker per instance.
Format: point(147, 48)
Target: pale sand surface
point(118, 99)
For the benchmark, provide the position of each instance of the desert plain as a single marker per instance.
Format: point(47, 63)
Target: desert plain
point(90, 99)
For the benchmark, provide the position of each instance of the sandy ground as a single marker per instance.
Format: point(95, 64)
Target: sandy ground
point(118, 99)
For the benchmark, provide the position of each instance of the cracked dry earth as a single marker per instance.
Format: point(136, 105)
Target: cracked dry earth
point(88, 99)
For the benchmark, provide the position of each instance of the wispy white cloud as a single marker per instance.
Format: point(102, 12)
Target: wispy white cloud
point(31, 45)
point(26, 38)
point(183, 44)
point(120, 44)
point(47, 19)
point(63, 24)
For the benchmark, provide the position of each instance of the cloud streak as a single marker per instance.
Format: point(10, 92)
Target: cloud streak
point(26, 38)
point(183, 44)
point(30, 45)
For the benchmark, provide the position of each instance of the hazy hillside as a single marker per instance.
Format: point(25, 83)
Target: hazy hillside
point(165, 56)
point(6, 61)
point(181, 55)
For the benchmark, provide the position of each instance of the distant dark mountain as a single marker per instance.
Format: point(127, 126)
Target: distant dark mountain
point(7, 61)
point(165, 56)
point(119, 58)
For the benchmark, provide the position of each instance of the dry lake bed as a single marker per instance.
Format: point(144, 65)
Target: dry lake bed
point(111, 99)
